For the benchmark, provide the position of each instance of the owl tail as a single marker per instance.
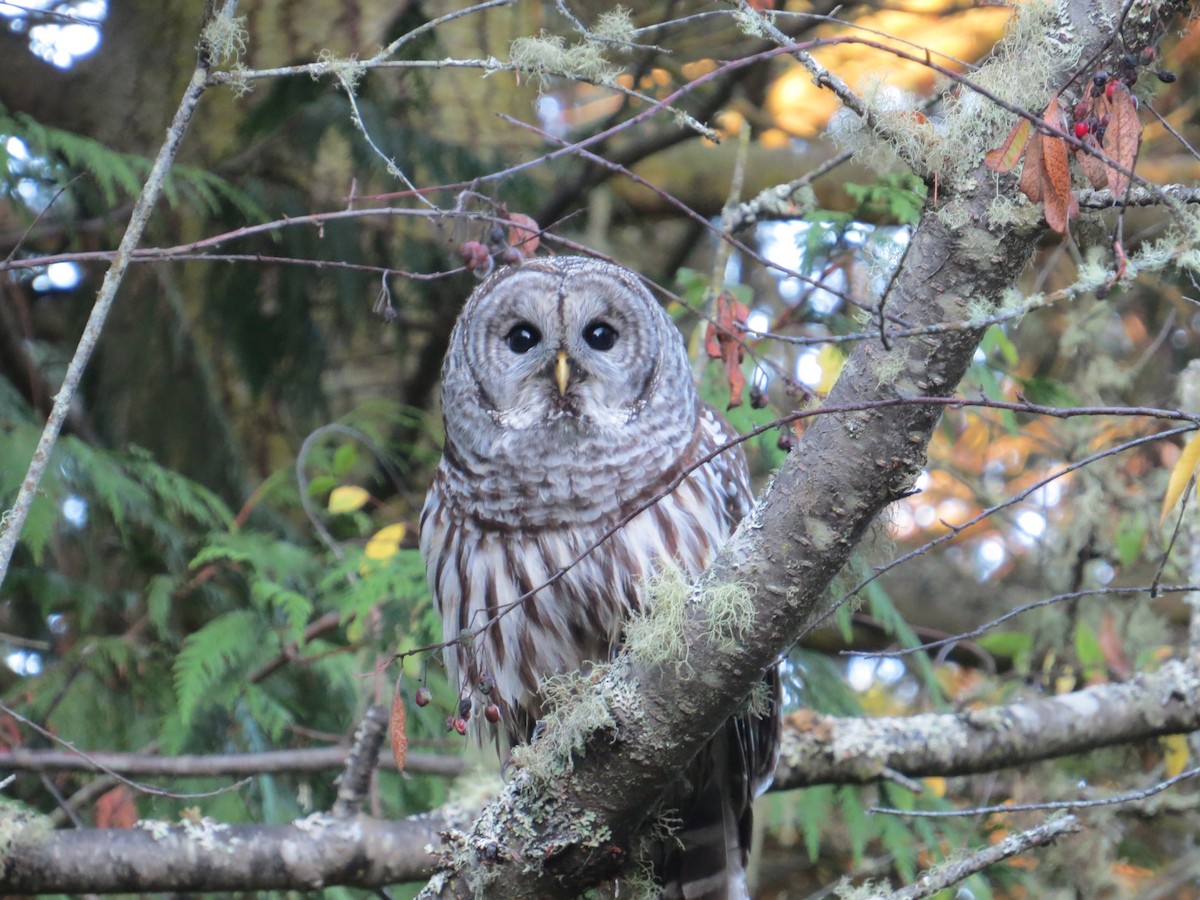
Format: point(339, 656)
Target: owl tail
point(708, 854)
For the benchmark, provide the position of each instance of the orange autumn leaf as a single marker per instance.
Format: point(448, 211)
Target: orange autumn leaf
point(1031, 172)
point(1046, 175)
point(1005, 157)
point(723, 341)
point(398, 729)
point(523, 233)
point(116, 808)
point(1060, 203)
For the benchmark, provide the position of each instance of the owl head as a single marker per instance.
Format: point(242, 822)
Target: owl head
point(568, 347)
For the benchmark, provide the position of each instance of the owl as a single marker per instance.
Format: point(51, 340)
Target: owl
point(569, 406)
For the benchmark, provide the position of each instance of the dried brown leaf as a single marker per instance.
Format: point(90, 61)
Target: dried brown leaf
point(398, 729)
point(1122, 137)
point(1093, 166)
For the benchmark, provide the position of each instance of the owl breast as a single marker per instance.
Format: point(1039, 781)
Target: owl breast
point(480, 563)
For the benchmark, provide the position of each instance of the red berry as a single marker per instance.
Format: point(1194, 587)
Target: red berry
point(1081, 130)
point(460, 725)
point(1110, 89)
point(491, 712)
point(423, 696)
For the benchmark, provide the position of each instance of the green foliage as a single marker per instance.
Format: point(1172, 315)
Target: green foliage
point(897, 196)
point(57, 157)
point(212, 655)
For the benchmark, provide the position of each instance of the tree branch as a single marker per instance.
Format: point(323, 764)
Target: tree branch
point(816, 750)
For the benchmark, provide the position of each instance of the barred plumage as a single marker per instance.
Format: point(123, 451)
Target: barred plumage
point(569, 406)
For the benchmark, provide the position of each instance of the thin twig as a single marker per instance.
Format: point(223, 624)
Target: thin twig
point(955, 871)
point(13, 521)
point(137, 786)
point(1116, 799)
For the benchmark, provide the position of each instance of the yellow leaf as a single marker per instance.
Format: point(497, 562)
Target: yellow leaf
point(385, 543)
point(1175, 754)
point(936, 786)
point(1181, 474)
point(347, 498)
point(394, 532)
point(830, 359)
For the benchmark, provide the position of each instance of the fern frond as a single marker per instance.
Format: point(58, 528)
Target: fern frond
point(293, 605)
point(212, 654)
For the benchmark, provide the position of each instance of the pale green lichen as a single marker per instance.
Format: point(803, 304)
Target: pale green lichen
point(548, 55)
point(654, 636)
point(979, 311)
point(615, 25)
point(348, 70)
point(730, 613)
point(754, 23)
point(226, 38)
point(20, 825)
point(577, 708)
point(890, 367)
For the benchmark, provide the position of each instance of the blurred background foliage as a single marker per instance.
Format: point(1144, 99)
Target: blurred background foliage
point(206, 569)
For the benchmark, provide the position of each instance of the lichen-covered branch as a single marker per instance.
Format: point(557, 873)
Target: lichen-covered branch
point(816, 750)
point(153, 856)
point(822, 749)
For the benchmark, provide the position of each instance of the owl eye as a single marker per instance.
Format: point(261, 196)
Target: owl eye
point(599, 335)
point(522, 338)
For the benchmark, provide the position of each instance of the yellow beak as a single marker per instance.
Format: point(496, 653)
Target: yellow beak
point(562, 372)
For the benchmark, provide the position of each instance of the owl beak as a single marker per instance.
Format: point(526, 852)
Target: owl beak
point(562, 372)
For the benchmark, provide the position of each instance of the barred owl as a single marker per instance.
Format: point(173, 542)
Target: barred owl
point(568, 405)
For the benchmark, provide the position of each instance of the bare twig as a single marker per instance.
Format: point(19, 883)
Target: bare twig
point(14, 521)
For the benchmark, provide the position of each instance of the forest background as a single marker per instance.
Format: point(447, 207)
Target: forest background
point(943, 281)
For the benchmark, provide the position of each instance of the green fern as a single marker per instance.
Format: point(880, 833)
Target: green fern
point(178, 494)
point(293, 605)
point(119, 176)
point(270, 715)
point(211, 656)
